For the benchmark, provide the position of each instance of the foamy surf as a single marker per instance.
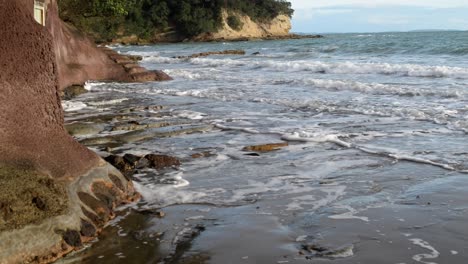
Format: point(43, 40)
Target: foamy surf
point(348, 67)
point(425, 257)
point(70, 106)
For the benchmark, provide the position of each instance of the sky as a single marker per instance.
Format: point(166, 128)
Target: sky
point(332, 16)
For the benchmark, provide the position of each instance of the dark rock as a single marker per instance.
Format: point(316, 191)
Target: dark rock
point(150, 76)
point(162, 161)
point(100, 208)
point(119, 162)
point(252, 154)
point(93, 217)
point(256, 53)
point(72, 238)
point(39, 203)
point(87, 229)
point(205, 54)
point(134, 57)
point(131, 159)
point(317, 251)
point(117, 182)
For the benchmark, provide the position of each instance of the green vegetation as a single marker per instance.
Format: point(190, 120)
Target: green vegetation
point(234, 22)
point(108, 19)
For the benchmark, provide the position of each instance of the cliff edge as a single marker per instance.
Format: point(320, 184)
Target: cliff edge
point(246, 28)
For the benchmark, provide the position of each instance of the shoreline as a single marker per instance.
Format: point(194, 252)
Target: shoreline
point(203, 39)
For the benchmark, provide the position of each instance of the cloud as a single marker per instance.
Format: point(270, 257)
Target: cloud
point(306, 14)
point(388, 20)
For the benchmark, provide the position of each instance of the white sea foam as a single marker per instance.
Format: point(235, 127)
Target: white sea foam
point(161, 60)
point(165, 195)
point(412, 70)
point(325, 84)
point(345, 252)
point(321, 137)
point(350, 214)
point(301, 238)
point(440, 115)
point(144, 53)
point(421, 257)
point(70, 106)
point(243, 129)
point(92, 86)
point(303, 136)
point(108, 102)
point(189, 114)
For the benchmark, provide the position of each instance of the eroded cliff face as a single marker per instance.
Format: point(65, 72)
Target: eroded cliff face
point(46, 177)
point(278, 27)
point(31, 117)
point(78, 58)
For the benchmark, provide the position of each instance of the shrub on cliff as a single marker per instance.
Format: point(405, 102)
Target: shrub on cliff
point(234, 22)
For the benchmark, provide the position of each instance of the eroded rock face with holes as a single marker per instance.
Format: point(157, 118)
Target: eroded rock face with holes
point(55, 194)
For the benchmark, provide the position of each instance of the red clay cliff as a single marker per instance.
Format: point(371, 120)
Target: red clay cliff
point(55, 194)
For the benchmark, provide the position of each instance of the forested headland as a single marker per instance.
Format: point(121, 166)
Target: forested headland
point(109, 19)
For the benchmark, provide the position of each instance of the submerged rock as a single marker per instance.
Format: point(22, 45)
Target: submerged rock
point(162, 161)
point(317, 251)
point(81, 129)
point(130, 162)
point(204, 154)
point(266, 147)
point(206, 54)
point(120, 163)
point(73, 91)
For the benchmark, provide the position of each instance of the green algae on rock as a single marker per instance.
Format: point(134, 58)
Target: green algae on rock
point(28, 197)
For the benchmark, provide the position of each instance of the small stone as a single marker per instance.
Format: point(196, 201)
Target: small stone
point(87, 229)
point(72, 238)
point(39, 203)
point(131, 159)
point(160, 214)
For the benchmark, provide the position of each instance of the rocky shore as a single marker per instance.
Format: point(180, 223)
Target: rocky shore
point(55, 194)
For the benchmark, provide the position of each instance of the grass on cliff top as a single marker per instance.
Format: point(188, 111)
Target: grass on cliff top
point(28, 197)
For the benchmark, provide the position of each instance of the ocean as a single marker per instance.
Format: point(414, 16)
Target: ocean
point(375, 170)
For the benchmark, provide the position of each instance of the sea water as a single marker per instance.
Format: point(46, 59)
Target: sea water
point(377, 159)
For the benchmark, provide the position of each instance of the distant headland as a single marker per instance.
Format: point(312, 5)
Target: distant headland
point(176, 21)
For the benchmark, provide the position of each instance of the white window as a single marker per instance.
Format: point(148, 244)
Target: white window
point(39, 12)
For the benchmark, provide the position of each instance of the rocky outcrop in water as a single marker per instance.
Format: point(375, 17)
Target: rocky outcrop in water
point(79, 60)
point(55, 193)
point(206, 54)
